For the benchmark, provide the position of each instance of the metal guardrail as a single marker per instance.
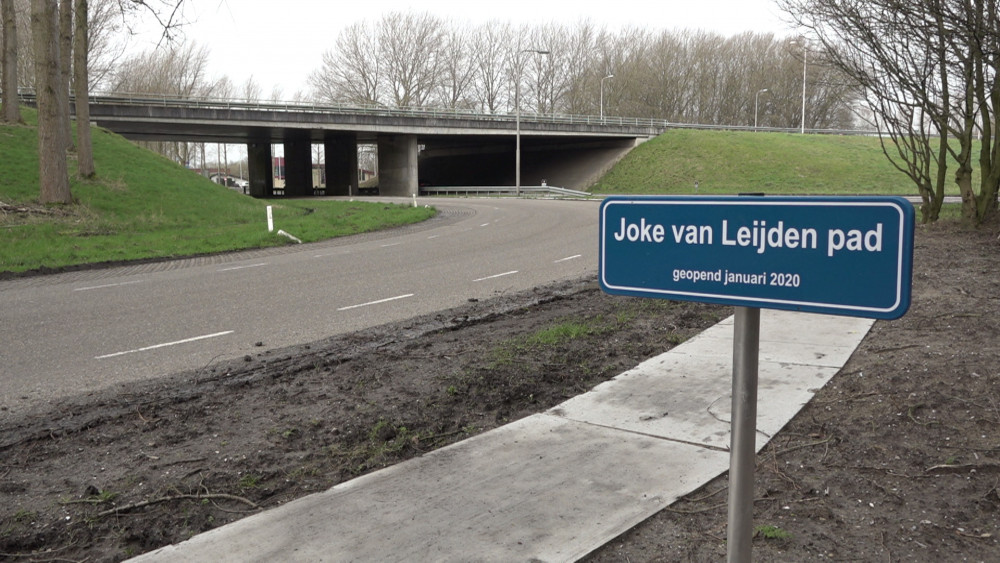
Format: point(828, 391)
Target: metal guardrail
point(502, 190)
point(28, 96)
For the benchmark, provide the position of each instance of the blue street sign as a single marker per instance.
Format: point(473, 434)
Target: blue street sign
point(838, 255)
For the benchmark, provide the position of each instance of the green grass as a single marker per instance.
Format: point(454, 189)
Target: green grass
point(769, 532)
point(507, 352)
point(732, 162)
point(145, 206)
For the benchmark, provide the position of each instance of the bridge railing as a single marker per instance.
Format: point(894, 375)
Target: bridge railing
point(117, 98)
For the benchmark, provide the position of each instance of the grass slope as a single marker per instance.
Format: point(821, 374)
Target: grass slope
point(143, 205)
point(731, 162)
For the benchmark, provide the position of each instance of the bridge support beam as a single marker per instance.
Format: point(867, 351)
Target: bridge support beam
point(397, 165)
point(341, 157)
point(298, 167)
point(259, 168)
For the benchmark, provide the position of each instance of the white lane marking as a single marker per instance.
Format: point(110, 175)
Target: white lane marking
point(485, 225)
point(242, 267)
point(375, 302)
point(164, 345)
point(341, 253)
point(496, 276)
point(433, 236)
point(391, 244)
point(574, 257)
point(106, 285)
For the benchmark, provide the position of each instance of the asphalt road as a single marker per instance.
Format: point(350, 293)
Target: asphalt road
point(77, 332)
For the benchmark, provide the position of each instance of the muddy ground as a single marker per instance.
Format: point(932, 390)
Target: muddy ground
point(896, 459)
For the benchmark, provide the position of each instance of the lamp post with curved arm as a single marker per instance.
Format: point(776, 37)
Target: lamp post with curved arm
point(756, 102)
point(602, 95)
point(805, 67)
point(517, 119)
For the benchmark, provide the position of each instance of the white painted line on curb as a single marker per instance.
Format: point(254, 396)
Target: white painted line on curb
point(496, 276)
point(574, 257)
point(375, 302)
point(242, 267)
point(106, 285)
point(164, 345)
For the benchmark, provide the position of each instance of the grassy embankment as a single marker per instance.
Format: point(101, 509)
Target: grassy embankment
point(145, 206)
point(732, 162)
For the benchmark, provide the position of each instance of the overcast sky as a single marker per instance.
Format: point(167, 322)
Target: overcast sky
point(280, 42)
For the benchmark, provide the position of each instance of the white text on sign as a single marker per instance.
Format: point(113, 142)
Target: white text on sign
point(757, 235)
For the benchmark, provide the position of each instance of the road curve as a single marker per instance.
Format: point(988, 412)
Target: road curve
point(77, 332)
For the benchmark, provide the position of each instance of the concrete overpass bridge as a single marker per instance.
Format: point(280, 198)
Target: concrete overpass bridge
point(415, 146)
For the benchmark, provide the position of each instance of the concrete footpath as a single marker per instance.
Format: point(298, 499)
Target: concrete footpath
point(557, 485)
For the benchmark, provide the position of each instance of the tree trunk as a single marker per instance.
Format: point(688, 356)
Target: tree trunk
point(53, 177)
point(65, 56)
point(970, 205)
point(84, 149)
point(11, 111)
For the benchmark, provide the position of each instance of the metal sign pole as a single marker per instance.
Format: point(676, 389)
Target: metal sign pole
point(743, 429)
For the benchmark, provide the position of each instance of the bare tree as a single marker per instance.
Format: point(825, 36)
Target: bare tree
point(53, 175)
point(11, 110)
point(929, 72)
point(409, 47)
point(251, 90)
point(107, 41)
point(457, 71)
point(573, 84)
point(698, 77)
point(65, 60)
point(352, 72)
point(178, 71)
point(490, 45)
point(277, 93)
point(81, 85)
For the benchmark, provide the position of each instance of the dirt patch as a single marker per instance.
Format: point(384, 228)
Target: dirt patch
point(898, 458)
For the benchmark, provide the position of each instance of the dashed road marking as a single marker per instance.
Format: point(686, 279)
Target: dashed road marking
point(496, 276)
point(340, 253)
point(107, 285)
point(243, 267)
point(164, 345)
point(375, 302)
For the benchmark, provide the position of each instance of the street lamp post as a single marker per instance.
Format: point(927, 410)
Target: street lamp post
point(805, 66)
point(756, 103)
point(517, 119)
point(602, 95)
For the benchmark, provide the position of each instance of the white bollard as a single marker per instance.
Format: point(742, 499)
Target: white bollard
point(270, 220)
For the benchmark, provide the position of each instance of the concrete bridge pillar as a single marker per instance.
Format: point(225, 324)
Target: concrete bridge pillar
point(298, 167)
point(397, 165)
point(341, 157)
point(259, 168)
